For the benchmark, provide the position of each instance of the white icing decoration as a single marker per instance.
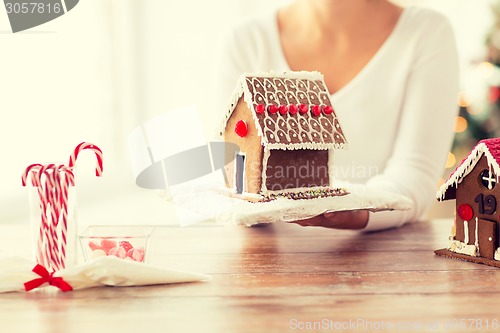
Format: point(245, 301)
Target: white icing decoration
point(476, 241)
point(466, 232)
point(490, 179)
point(289, 83)
point(462, 248)
point(282, 98)
point(265, 158)
point(497, 254)
point(467, 166)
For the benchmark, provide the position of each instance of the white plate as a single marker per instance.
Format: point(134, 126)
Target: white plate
point(211, 204)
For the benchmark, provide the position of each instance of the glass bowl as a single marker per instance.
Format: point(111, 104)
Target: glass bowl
point(128, 242)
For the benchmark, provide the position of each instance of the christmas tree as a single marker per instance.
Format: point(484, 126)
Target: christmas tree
point(479, 117)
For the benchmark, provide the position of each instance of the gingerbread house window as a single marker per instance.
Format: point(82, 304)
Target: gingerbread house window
point(487, 179)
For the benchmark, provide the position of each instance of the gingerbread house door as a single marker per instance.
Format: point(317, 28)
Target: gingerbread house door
point(486, 234)
point(239, 173)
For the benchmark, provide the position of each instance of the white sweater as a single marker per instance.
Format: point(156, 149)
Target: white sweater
point(397, 114)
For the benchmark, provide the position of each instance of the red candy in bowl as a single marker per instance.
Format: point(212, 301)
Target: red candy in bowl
point(125, 242)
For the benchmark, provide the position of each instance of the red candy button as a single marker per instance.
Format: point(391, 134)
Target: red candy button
point(293, 109)
point(241, 128)
point(316, 110)
point(327, 109)
point(303, 108)
point(259, 108)
point(465, 212)
point(283, 109)
point(273, 109)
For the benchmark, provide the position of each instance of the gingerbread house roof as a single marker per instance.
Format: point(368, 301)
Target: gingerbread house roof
point(291, 110)
point(490, 148)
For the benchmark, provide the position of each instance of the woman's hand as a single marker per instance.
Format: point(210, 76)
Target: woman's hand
point(351, 219)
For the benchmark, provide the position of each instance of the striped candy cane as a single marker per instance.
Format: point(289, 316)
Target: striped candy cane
point(48, 184)
point(30, 169)
point(97, 151)
point(52, 183)
point(37, 180)
point(66, 180)
point(44, 178)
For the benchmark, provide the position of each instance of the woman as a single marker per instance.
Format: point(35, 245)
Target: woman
point(393, 73)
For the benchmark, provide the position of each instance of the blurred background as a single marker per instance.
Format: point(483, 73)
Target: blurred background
point(107, 66)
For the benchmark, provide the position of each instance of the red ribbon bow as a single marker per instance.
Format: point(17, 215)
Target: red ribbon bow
point(46, 277)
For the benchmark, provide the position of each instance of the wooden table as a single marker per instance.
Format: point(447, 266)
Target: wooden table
point(279, 278)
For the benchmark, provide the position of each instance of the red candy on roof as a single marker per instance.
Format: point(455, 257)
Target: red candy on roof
point(291, 110)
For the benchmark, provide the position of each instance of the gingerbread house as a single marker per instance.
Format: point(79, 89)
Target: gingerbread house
point(474, 185)
point(285, 126)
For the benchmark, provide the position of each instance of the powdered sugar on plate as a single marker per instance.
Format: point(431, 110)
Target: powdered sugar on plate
point(212, 204)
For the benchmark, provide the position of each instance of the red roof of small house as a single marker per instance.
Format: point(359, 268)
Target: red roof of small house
point(490, 148)
point(291, 110)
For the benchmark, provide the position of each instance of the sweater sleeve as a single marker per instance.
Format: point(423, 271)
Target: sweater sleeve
point(426, 129)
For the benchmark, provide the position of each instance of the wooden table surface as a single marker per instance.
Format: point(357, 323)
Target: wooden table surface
point(279, 278)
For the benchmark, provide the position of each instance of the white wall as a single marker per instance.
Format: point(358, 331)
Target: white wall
point(96, 73)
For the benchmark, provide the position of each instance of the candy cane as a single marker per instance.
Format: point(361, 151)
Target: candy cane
point(52, 184)
point(54, 192)
point(62, 177)
point(97, 151)
point(31, 168)
point(48, 197)
point(43, 255)
point(67, 180)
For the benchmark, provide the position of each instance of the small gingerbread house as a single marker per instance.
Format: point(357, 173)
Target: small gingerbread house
point(285, 126)
point(474, 185)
